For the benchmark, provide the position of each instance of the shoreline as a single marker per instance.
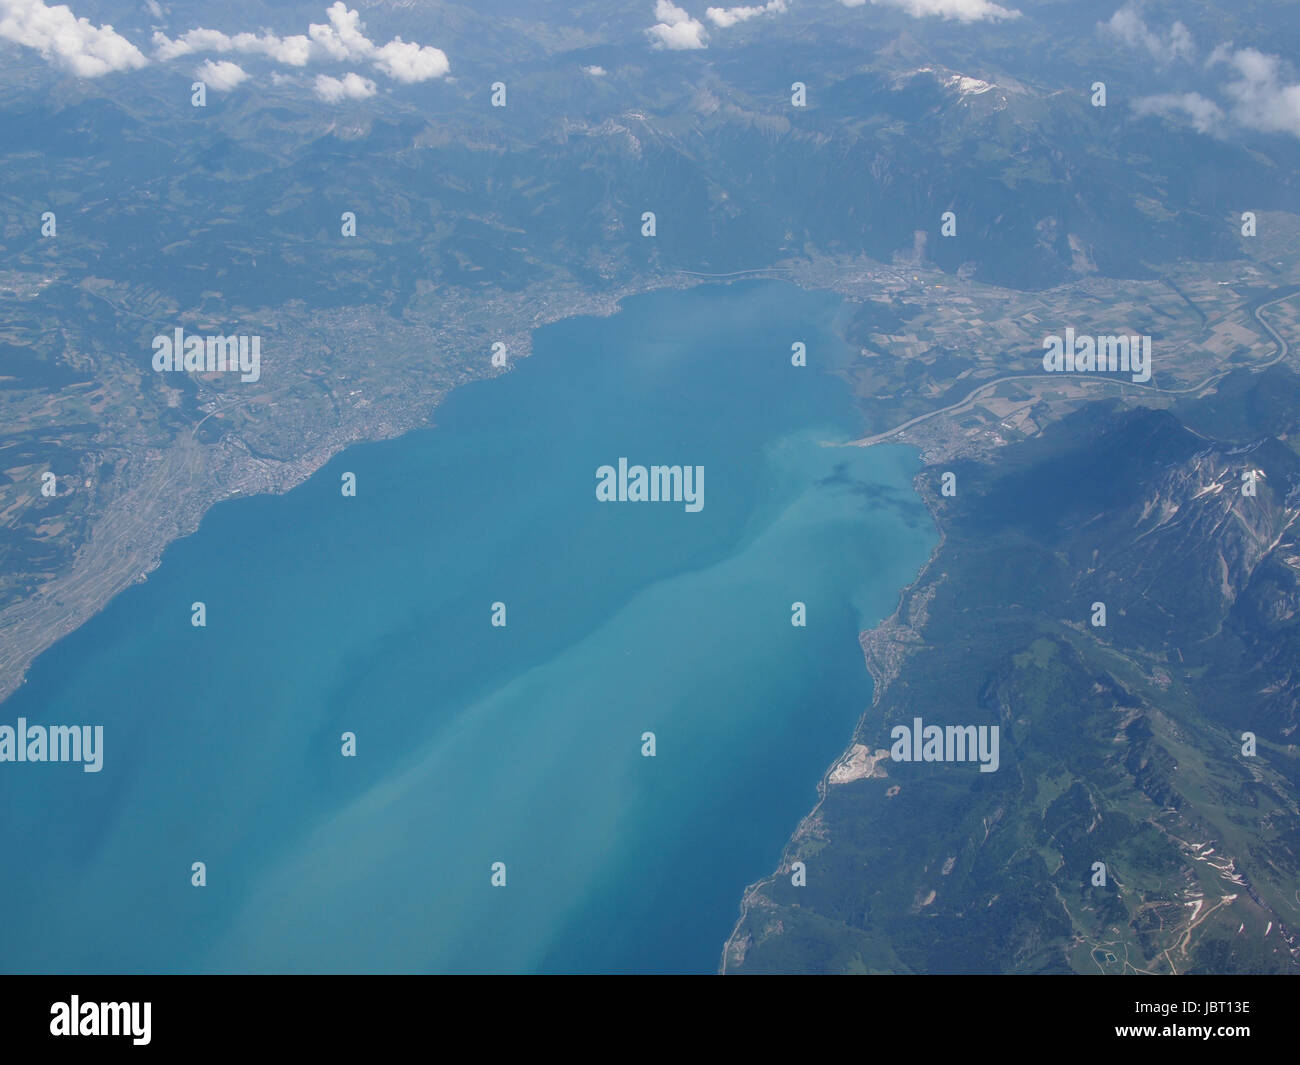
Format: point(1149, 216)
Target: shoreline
point(882, 672)
point(880, 679)
point(116, 556)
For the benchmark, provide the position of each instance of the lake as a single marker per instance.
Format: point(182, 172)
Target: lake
point(478, 743)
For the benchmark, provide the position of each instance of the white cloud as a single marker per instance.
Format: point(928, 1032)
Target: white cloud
point(1205, 114)
point(348, 87)
point(723, 17)
point(1127, 24)
point(341, 38)
point(74, 44)
point(1260, 98)
point(403, 61)
point(1258, 93)
point(594, 71)
point(291, 51)
point(676, 30)
point(961, 10)
point(165, 48)
point(221, 75)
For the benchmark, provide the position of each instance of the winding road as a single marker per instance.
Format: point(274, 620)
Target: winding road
point(1282, 351)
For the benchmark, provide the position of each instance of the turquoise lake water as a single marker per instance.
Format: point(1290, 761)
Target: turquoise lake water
point(477, 744)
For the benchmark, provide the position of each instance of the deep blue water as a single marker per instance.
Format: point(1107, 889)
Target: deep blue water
point(478, 744)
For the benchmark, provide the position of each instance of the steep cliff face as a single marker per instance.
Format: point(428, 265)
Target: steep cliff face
point(1196, 537)
point(1265, 630)
point(1119, 597)
point(1137, 506)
